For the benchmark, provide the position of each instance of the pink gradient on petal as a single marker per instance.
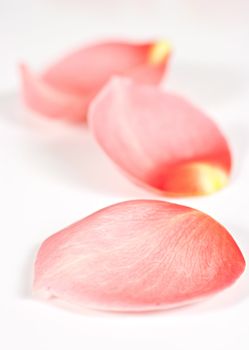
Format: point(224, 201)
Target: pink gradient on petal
point(47, 100)
point(160, 139)
point(65, 89)
point(137, 256)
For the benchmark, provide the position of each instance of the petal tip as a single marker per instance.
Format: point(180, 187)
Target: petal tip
point(212, 178)
point(40, 293)
point(41, 289)
point(22, 67)
point(159, 51)
point(193, 179)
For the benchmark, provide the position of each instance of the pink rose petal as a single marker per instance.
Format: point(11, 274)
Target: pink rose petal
point(137, 256)
point(65, 89)
point(159, 139)
point(44, 98)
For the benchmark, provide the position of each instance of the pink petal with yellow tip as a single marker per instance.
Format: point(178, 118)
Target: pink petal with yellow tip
point(161, 140)
point(137, 256)
point(65, 89)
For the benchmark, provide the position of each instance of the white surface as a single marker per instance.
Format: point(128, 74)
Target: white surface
point(52, 174)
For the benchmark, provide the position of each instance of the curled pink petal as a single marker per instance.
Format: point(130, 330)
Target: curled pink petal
point(161, 140)
point(65, 89)
point(45, 99)
point(137, 256)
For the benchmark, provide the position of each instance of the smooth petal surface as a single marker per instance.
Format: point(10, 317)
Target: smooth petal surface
point(137, 256)
point(65, 89)
point(45, 99)
point(161, 140)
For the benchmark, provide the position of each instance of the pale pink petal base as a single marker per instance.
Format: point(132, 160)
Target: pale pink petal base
point(137, 256)
point(47, 100)
point(159, 139)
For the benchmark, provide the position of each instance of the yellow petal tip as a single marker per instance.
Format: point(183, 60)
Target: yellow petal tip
point(159, 51)
point(211, 178)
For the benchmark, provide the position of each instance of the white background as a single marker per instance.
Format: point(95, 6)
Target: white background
point(52, 174)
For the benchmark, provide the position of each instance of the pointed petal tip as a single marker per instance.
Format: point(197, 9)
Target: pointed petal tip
point(211, 178)
point(194, 179)
point(24, 72)
point(159, 51)
point(40, 293)
point(22, 67)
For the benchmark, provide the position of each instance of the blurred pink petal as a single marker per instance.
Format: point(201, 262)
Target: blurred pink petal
point(44, 98)
point(138, 256)
point(65, 89)
point(159, 139)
